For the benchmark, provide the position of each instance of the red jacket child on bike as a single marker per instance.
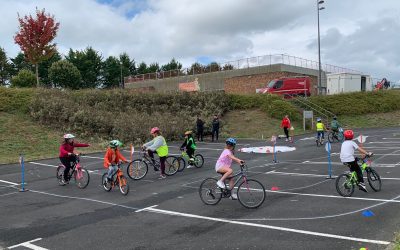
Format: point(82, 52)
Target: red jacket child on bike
point(113, 157)
point(67, 153)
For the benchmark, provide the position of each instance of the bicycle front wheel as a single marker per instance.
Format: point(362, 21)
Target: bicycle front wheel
point(123, 185)
point(106, 184)
point(374, 180)
point(344, 185)
point(198, 160)
point(171, 165)
point(210, 193)
point(82, 178)
point(137, 169)
point(60, 175)
point(182, 164)
point(251, 193)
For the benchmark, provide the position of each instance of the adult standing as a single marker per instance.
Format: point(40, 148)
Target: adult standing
point(286, 126)
point(215, 128)
point(200, 128)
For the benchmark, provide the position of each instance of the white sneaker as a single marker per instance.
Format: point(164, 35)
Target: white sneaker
point(233, 196)
point(189, 166)
point(286, 139)
point(220, 184)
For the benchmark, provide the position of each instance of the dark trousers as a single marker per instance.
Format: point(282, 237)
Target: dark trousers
point(68, 163)
point(355, 167)
point(190, 153)
point(286, 130)
point(162, 161)
point(215, 133)
point(199, 134)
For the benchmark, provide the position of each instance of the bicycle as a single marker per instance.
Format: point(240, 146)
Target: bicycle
point(319, 140)
point(338, 136)
point(138, 168)
point(345, 182)
point(117, 179)
point(80, 174)
point(184, 157)
point(250, 192)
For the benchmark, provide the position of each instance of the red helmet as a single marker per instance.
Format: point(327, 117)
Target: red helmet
point(348, 134)
point(153, 130)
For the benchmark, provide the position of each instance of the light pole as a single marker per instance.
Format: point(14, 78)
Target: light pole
point(319, 2)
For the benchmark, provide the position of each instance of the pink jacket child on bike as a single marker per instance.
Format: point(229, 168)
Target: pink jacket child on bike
point(223, 165)
point(67, 153)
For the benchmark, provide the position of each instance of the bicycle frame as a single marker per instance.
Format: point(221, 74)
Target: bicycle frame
point(364, 166)
point(242, 175)
point(118, 173)
point(147, 158)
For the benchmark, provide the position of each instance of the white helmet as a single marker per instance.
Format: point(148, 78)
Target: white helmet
point(69, 136)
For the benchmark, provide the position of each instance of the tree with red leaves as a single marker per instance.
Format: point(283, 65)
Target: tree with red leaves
point(35, 36)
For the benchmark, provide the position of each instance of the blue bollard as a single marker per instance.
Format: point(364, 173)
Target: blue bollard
point(21, 161)
point(328, 149)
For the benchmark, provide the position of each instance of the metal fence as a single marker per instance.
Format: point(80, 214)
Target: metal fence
point(250, 62)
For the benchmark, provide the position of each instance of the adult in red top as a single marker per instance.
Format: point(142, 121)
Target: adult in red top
point(67, 153)
point(286, 126)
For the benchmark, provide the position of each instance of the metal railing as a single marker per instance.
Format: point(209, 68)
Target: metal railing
point(250, 62)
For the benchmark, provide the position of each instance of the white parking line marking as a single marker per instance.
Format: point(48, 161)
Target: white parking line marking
point(140, 210)
point(93, 157)
point(28, 244)
point(285, 229)
point(9, 182)
point(9, 194)
point(319, 175)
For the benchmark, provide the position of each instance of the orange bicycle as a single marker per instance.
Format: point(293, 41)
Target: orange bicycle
point(117, 179)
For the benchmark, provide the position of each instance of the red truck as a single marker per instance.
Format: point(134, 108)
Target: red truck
point(288, 86)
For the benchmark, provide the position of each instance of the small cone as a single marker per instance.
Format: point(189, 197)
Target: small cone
point(274, 188)
point(368, 213)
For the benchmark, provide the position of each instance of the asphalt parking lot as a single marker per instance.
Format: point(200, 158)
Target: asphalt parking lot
point(302, 209)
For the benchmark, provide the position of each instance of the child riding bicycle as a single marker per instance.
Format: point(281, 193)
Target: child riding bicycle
point(190, 147)
point(347, 157)
point(335, 125)
point(158, 145)
point(320, 129)
point(223, 165)
point(67, 153)
point(112, 158)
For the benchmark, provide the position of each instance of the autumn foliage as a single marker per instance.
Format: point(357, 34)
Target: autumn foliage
point(35, 36)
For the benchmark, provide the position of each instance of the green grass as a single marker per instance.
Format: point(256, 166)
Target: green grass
point(21, 135)
point(389, 119)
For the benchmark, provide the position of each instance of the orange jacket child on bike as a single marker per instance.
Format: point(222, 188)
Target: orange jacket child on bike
point(347, 157)
point(113, 157)
point(158, 145)
point(67, 153)
point(224, 162)
point(190, 147)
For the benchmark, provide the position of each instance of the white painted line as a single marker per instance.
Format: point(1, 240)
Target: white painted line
point(384, 142)
point(93, 157)
point(391, 138)
point(9, 182)
point(322, 162)
point(28, 244)
point(143, 209)
point(318, 175)
point(9, 194)
point(285, 229)
point(215, 149)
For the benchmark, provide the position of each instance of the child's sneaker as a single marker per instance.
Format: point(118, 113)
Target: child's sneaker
point(220, 184)
point(190, 166)
point(162, 177)
point(362, 187)
point(233, 196)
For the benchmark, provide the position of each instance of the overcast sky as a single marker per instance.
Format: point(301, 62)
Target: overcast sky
point(359, 34)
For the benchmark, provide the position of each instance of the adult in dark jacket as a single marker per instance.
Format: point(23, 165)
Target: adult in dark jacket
point(200, 128)
point(215, 128)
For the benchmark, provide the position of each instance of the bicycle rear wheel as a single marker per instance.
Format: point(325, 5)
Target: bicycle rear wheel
point(198, 160)
point(171, 165)
point(374, 180)
point(182, 164)
point(106, 184)
point(82, 178)
point(210, 193)
point(60, 175)
point(137, 169)
point(331, 137)
point(344, 185)
point(123, 185)
point(251, 193)
point(340, 137)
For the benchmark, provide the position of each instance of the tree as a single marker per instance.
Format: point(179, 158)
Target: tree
point(142, 69)
point(227, 67)
point(45, 66)
point(19, 62)
point(89, 64)
point(111, 72)
point(128, 65)
point(212, 67)
point(172, 65)
point(196, 68)
point(154, 67)
point(24, 78)
point(35, 36)
point(5, 68)
point(64, 74)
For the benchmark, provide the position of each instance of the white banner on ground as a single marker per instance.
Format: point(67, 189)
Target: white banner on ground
point(267, 149)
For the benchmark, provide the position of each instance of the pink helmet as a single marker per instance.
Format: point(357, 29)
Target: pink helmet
point(153, 130)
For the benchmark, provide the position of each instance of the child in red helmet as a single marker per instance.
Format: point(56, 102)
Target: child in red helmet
point(347, 157)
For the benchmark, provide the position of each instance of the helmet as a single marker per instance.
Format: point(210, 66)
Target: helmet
point(318, 119)
point(115, 143)
point(231, 141)
point(153, 130)
point(348, 134)
point(69, 136)
point(189, 132)
point(334, 118)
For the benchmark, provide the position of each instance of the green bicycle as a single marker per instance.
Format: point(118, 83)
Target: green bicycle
point(184, 159)
point(346, 182)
